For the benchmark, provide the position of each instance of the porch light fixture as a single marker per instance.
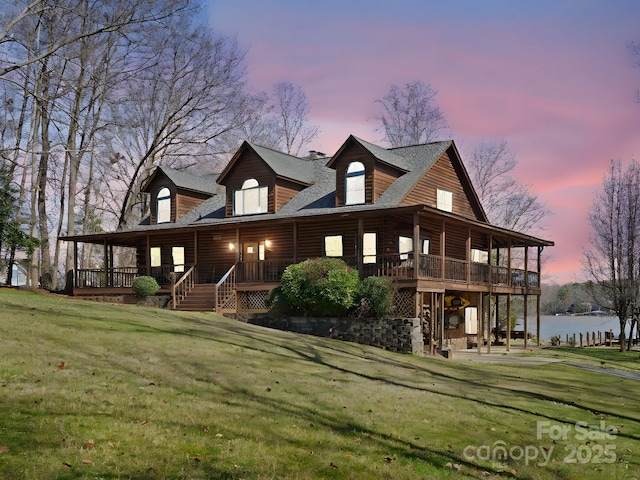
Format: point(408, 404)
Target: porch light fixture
point(232, 246)
point(267, 243)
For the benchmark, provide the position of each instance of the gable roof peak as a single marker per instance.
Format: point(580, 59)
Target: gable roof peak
point(185, 180)
point(282, 164)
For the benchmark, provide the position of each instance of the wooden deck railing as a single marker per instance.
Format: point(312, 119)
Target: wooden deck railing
point(397, 266)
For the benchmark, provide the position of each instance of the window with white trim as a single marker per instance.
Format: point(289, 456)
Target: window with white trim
point(445, 200)
point(177, 255)
point(154, 254)
point(369, 247)
point(333, 246)
point(163, 203)
point(479, 256)
point(251, 198)
point(354, 184)
point(405, 246)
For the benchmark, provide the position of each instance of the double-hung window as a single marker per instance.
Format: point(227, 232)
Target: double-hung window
point(445, 200)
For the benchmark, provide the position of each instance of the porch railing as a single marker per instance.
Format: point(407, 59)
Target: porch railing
point(225, 288)
point(181, 287)
point(111, 277)
point(123, 276)
point(397, 266)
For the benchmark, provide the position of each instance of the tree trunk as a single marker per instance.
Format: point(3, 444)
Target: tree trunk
point(623, 343)
point(634, 322)
point(46, 271)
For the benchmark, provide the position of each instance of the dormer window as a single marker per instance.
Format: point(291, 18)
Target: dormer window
point(163, 206)
point(354, 184)
point(251, 198)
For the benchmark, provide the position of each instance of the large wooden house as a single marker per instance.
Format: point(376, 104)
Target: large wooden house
point(221, 242)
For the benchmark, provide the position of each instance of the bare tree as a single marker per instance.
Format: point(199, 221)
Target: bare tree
point(409, 115)
point(613, 263)
point(508, 203)
point(291, 110)
point(178, 110)
point(114, 15)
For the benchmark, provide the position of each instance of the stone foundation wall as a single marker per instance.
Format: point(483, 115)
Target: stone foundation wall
point(159, 301)
point(403, 335)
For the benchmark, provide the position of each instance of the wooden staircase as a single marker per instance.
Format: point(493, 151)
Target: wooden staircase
point(201, 298)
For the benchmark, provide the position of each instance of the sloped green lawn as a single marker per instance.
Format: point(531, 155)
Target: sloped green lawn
point(97, 391)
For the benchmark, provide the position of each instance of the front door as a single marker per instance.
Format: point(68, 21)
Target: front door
point(251, 260)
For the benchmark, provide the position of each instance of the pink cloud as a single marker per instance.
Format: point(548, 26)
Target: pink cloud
point(556, 81)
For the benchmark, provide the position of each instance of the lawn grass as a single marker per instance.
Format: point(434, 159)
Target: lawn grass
point(98, 391)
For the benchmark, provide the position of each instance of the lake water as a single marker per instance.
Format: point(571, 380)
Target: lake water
point(562, 325)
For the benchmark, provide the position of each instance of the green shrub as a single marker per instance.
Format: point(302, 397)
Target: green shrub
point(277, 300)
point(375, 296)
point(144, 286)
point(321, 287)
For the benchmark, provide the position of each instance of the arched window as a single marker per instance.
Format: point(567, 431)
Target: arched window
point(251, 198)
point(164, 206)
point(354, 184)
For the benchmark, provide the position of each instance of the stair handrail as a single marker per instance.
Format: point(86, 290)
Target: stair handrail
point(225, 287)
point(180, 288)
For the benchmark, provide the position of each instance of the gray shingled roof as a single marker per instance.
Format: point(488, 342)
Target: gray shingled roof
point(319, 196)
point(284, 165)
point(189, 181)
point(385, 155)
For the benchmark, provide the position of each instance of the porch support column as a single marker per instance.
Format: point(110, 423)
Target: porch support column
point(469, 256)
point(295, 242)
point(486, 307)
point(147, 256)
point(490, 256)
point(442, 251)
point(526, 301)
point(480, 323)
point(432, 323)
point(359, 247)
point(526, 265)
point(441, 312)
point(105, 252)
point(416, 244)
point(74, 277)
point(538, 319)
point(195, 247)
point(509, 262)
point(238, 246)
point(508, 321)
point(112, 265)
point(496, 326)
point(539, 285)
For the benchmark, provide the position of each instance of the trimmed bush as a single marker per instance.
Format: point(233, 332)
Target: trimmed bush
point(144, 286)
point(321, 287)
point(277, 300)
point(375, 296)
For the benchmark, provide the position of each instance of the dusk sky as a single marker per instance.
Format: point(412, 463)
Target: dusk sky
point(555, 78)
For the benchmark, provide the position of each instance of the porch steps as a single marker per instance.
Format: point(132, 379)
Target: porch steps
point(199, 299)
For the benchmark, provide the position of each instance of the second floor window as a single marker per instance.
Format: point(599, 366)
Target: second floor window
point(164, 206)
point(445, 200)
point(354, 184)
point(251, 198)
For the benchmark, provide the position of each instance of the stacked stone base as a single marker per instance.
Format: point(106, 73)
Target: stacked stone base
point(402, 335)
